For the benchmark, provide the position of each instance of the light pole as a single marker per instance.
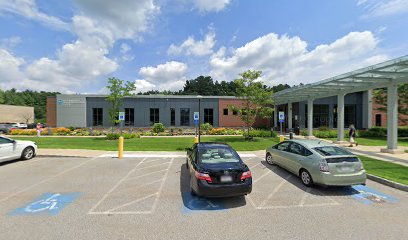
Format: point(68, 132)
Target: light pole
point(199, 117)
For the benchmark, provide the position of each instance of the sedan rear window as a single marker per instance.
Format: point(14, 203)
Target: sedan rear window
point(331, 151)
point(218, 155)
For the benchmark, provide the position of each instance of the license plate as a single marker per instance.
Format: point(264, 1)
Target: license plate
point(226, 178)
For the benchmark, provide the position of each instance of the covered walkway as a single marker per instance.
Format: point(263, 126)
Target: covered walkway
point(387, 75)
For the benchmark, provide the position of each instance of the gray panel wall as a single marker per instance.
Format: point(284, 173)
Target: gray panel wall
point(71, 111)
point(142, 109)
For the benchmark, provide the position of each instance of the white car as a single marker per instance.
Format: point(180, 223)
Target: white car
point(16, 149)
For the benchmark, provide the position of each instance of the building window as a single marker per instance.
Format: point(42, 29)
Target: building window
point(172, 117)
point(154, 116)
point(234, 112)
point(225, 111)
point(209, 116)
point(97, 117)
point(378, 120)
point(185, 116)
point(129, 116)
point(320, 115)
point(350, 115)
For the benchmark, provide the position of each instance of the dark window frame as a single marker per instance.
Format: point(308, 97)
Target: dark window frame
point(209, 115)
point(97, 117)
point(129, 116)
point(184, 116)
point(172, 117)
point(154, 116)
point(225, 111)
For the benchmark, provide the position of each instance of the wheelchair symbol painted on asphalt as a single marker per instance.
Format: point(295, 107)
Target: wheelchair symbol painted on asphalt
point(48, 203)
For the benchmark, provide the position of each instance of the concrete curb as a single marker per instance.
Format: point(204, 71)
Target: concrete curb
point(387, 182)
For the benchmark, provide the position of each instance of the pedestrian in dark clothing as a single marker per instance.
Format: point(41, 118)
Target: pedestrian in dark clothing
point(352, 135)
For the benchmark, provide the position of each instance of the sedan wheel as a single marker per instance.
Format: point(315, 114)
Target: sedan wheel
point(28, 153)
point(269, 159)
point(306, 178)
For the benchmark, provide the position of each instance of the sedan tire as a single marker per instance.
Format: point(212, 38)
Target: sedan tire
point(306, 178)
point(27, 153)
point(269, 159)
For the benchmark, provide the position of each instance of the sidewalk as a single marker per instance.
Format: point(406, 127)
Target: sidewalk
point(374, 152)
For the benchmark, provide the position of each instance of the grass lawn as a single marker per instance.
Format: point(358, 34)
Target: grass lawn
point(148, 144)
point(377, 141)
point(387, 170)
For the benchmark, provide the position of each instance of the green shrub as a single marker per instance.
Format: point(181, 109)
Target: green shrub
point(130, 135)
point(260, 133)
point(403, 132)
point(158, 127)
point(112, 136)
point(206, 127)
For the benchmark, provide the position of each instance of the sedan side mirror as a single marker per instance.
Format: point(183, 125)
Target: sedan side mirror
point(188, 149)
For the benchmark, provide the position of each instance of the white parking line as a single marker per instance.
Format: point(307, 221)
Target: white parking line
point(157, 194)
point(144, 175)
point(275, 190)
point(302, 201)
point(263, 175)
point(157, 165)
point(48, 179)
point(116, 186)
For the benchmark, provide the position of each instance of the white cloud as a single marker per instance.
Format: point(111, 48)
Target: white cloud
point(211, 5)
point(10, 42)
point(10, 70)
point(167, 76)
point(285, 59)
point(28, 9)
point(98, 25)
point(192, 47)
point(380, 8)
point(125, 18)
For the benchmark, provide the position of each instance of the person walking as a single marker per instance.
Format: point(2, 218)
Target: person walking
point(352, 135)
point(38, 127)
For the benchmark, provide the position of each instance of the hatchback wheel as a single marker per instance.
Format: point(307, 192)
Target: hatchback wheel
point(269, 159)
point(28, 153)
point(306, 178)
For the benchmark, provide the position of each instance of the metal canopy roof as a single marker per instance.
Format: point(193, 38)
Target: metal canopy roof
point(375, 76)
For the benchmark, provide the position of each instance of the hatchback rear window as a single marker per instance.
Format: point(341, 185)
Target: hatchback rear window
point(341, 159)
point(331, 151)
point(218, 155)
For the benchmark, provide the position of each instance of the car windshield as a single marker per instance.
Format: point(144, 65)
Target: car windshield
point(217, 155)
point(331, 151)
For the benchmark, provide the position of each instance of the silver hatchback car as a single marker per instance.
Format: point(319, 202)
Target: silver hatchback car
point(318, 162)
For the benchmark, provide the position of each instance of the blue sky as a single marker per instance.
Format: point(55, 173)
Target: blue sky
point(74, 46)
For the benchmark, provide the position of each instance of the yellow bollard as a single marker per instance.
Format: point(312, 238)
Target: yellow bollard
point(120, 147)
point(195, 139)
point(281, 138)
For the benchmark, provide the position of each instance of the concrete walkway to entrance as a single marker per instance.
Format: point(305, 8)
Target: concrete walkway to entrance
point(374, 152)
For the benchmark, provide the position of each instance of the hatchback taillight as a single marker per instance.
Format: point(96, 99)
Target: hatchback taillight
point(323, 166)
point(246, 175)
point(203, 176)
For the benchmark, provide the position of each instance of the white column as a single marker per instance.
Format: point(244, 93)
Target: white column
point(370, 109)
point(392, 117)
point(290, 115)
point(310, 117)
point(340, 117)
point(275, 116)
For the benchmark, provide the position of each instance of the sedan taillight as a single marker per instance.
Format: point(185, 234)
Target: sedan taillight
point(246, 175)
point(203, 176)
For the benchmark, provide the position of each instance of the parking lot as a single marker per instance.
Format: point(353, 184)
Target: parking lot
point(147, 196)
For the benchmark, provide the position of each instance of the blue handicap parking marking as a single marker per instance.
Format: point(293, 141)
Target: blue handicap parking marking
point(194, 204)
point(48, 203)
point(368, 195)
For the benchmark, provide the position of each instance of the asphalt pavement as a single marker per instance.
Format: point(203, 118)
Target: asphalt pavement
point(146, 196)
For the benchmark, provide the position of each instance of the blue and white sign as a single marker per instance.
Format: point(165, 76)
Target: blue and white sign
point(48, 203)
point(196, 116)
point(121, 116)
point(60, 102)
point(281, 116)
